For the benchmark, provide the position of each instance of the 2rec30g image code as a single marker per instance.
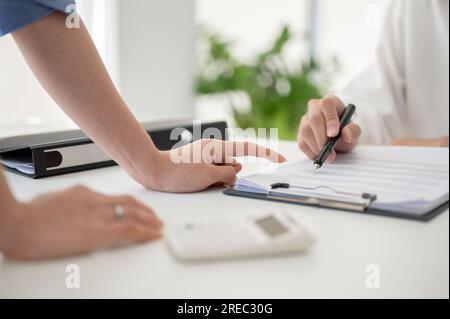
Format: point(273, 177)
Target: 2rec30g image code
point(226, 308)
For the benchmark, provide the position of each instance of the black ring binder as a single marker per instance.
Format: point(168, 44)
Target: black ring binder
point(44, 156)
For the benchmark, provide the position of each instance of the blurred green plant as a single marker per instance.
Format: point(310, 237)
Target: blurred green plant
point(278, 93)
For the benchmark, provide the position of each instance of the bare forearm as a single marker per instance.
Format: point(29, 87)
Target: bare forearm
point(67, 64)
point(412, 141)
point(8, 210)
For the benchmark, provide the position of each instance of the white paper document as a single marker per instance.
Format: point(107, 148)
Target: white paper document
point(405, 179)
point(22, 166)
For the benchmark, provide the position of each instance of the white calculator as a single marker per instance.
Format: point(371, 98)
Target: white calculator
point(259, 234)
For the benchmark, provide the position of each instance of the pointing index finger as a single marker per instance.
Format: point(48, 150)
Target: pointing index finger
point(239, 149)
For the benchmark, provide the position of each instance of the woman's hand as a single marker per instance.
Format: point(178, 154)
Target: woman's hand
point(204, 163)
point(74, 221)
point(322, 122)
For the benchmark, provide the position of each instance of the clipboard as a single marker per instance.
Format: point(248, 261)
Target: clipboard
point(362, 207)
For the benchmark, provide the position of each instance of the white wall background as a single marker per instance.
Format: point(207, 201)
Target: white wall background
point(252, 25)
point(24, 105)
point(157, 57)
point(147, 46)
point(349, 30)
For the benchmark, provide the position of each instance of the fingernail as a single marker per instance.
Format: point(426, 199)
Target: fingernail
point(331, 131)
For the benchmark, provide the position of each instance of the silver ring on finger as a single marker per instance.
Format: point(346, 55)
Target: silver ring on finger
point(119, 212)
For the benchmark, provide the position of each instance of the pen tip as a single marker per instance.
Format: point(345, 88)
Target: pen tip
point(316, 165)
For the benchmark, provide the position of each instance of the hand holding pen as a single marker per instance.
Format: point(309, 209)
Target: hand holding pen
point(321, 123)
point(344, 119)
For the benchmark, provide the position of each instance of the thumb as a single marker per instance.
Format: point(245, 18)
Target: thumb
point(230, 161)
point(223, 174)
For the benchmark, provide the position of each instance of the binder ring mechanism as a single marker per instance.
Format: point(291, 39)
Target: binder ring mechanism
point(342, 200)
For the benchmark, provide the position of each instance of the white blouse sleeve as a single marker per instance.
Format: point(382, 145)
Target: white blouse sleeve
point(379, 91)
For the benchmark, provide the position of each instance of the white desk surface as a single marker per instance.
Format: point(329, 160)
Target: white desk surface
point(413, 257)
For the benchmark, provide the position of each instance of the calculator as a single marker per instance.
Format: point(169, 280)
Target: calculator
point(269, 233)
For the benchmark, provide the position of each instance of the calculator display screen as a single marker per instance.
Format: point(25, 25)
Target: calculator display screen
point(271, 226)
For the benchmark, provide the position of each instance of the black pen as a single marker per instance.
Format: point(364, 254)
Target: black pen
point(344, 119)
